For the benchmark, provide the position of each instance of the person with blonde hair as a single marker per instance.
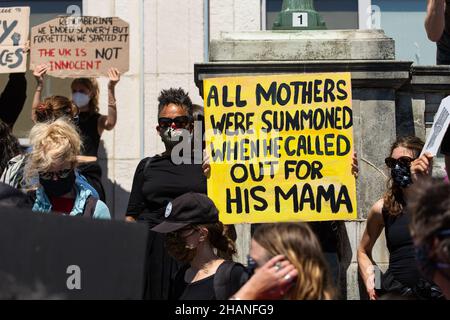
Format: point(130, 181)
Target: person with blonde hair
point(287, 259)
point(53, 159)
point(91, 124)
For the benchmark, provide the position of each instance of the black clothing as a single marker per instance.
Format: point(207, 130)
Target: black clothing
point(93, 174)
point(88, 125)
point(326, 232)
point(204, 289)
point(199, 290)
point(13, 98)
point(162, 182)
point(443, 45)
point(403, 277)
point(12, 197)
point(157, 182)
point(402, 263)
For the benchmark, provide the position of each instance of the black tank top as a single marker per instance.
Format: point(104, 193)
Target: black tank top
point(402, 262)
point(443, 45)
point(88, 125)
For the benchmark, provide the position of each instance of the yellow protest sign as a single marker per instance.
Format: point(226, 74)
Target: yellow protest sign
point(280, 147)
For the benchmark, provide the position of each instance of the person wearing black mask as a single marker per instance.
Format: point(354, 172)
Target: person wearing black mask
point(50, 172)
point(196, 237)
point(402, 278)
point(160, 179)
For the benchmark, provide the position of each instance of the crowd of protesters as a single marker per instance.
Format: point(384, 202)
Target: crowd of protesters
point(190, 253)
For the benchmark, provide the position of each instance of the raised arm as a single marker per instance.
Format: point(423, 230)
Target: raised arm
point(39, 73)
point(366, 265)
point(109, 122)
point(435, 19)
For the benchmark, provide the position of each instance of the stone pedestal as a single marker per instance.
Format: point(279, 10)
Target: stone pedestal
point(305, 45)
point(389, 98)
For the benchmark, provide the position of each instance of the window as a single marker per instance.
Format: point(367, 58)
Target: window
point(403, 20)
point(342, 14)
point(41, 11)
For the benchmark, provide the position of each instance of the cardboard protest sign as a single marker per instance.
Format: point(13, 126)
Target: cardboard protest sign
point(439, 128)
point(280, 147)
point(14, 29)
point(81, 46)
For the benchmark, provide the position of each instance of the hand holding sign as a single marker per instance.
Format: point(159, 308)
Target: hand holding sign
point(206, 166)
point(114, 76)
point(39, 73)
point(440, 125)
point(421, 166)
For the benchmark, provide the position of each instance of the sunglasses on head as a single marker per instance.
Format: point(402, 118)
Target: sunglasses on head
point(180, 122)
point(405, 161)
point(59, 174)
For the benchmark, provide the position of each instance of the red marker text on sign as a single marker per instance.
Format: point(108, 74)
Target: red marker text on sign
point(75, 65)
point(46, 52)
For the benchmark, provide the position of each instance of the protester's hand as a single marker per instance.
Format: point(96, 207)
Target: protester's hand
point(114, 76)
point(130, 219)
point(206, 165)
point(39, 73)
point(272, 281)
point(421, 166)
point(26, 47)
point(355, 169)
point(370, 288)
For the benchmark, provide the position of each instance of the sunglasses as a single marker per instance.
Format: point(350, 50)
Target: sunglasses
point(59, 174)
point(180, 122)
point(181, 234)
point(404, 161)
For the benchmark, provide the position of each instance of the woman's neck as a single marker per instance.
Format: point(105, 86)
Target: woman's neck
point(204, 258)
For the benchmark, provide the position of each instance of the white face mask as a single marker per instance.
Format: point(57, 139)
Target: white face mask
point(80, 99)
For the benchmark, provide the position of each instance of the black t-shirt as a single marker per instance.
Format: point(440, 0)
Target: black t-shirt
point(88, 125)
point(204, 289)
point(161, 182)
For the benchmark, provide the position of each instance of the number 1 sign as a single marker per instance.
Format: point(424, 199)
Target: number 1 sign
point(300, 19)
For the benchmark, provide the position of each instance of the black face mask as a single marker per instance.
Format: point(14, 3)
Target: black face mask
point(401, 175)
point(59, 187)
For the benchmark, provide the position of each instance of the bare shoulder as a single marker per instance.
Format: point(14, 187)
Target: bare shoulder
point(377, 207)
point(375, 216)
